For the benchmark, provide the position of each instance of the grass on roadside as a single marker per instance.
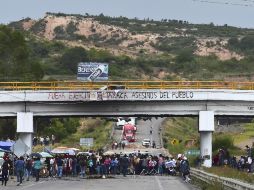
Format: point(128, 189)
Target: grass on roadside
point(248, 132)
point(231, 173)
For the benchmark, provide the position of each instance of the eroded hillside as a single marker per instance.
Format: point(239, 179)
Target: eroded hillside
point(131, 37)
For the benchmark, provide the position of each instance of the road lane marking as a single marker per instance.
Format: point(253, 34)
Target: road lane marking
point(159, 183)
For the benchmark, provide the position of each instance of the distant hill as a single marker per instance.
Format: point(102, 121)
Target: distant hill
point(129, 36)
point(145, 49)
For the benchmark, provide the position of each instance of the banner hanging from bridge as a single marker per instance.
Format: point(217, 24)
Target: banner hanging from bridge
point(90, 71)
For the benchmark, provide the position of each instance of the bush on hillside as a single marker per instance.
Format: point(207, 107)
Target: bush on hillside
point(223, 141)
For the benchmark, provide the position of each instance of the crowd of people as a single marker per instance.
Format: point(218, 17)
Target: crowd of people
point(242, 163)
point(86, 165)
point(44, 141)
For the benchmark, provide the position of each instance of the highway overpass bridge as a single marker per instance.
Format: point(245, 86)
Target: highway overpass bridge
point(127, 98)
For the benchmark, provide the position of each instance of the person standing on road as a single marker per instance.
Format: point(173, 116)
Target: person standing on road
point(5, 171)
point(123, 145)
point(154, 145)
point(20, 168)
point(28, 167)
point(59, 163)
point(185, 169)
point(37, 167)
point(82, 163)
point(125, 164)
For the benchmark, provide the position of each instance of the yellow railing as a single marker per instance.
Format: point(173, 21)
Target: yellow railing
point(109, 85)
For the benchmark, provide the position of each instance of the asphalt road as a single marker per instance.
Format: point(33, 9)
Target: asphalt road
point(143, 132)
point(117, 182)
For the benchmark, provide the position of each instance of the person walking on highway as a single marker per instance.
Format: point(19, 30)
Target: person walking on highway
point(5, 171)
point(37, 167)
point(151, 131)
point(20, 168)
point(185, 169)
point(154, 145)
point(28, 167)
point(123, 145)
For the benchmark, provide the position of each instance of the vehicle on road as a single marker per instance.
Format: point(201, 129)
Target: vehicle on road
point(146, 142)
point(129, 132)
point(120, 123)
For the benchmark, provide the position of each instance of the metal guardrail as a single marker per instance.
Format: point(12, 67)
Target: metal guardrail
point(226, 182)
point(109, 85)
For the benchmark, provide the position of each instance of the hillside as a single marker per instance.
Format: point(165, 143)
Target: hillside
point(130, 36)
point(144, 49)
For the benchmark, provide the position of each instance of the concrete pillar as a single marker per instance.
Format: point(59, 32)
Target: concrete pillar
point(206, 148)
point(206, 128)
point(25, 129)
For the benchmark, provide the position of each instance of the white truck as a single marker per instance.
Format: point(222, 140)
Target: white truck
point(120, 123)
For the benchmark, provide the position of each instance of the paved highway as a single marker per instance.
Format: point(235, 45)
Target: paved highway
point(117, 182)
point(143, 132)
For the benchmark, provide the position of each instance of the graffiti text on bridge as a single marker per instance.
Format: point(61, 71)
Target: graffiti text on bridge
point(120, 95)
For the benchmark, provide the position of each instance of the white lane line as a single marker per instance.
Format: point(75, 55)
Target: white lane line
point(159, 183)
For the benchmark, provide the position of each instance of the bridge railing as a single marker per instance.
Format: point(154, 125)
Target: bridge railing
point(110, 85)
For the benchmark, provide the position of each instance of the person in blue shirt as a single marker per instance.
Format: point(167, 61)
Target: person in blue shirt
point(20, 168)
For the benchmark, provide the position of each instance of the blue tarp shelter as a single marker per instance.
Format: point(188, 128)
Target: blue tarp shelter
point(6, 145)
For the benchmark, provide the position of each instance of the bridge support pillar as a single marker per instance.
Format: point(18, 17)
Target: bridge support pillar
point(206, 128)
point(25, 129)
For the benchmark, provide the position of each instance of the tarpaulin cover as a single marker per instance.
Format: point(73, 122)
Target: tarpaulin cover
point(6, 145)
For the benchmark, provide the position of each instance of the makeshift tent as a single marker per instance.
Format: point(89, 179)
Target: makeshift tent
point(6, 145)
point(45, 155)
point(64, 150)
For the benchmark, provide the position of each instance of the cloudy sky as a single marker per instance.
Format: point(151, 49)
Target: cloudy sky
point(238, 13)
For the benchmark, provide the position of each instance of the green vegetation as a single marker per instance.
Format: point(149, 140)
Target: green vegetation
point(184, 130)
point(177, 26)
point(15, 59)
point(224, 140)
point(248, 133)
point(207, 186)
point(176, 39)
point(98, 129)
point(231, 173)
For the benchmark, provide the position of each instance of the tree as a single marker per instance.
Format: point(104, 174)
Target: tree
point(72, 57)
point(15, 56)
point(185, 56)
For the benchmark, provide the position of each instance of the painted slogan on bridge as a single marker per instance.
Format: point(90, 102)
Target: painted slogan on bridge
point(120, 95)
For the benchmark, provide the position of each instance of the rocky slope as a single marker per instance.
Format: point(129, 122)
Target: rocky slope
point(90, 31)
